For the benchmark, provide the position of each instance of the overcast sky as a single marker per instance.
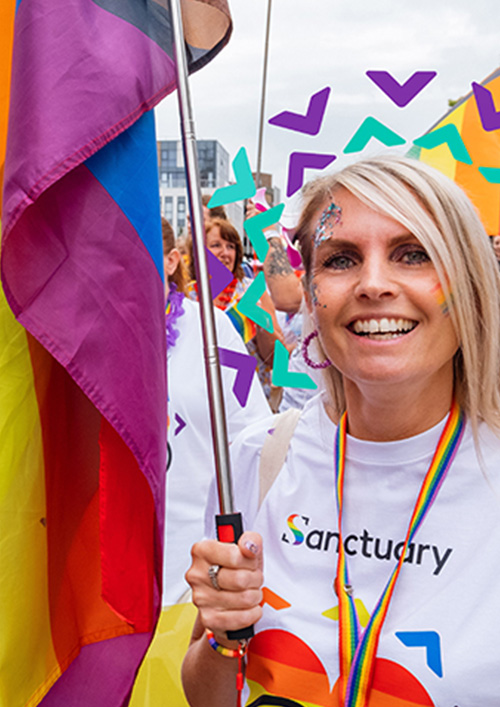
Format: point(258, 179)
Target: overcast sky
point(318, 43)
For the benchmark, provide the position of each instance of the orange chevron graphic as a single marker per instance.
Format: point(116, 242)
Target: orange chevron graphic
point(274, 601)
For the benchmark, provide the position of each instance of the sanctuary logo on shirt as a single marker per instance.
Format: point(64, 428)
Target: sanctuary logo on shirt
point(301, 532)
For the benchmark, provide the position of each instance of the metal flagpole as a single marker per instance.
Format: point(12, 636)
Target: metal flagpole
point(263, 96)
point(211, 353)
point(229, 524)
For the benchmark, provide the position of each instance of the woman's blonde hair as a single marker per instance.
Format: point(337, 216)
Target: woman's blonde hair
point(437, 212)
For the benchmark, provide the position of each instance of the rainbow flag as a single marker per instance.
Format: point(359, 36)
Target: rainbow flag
point(245, 327)
point(82, 340)
point(484, 150)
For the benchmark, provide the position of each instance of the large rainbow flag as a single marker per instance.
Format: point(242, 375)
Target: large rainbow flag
point(483, 148)
point(82, 340)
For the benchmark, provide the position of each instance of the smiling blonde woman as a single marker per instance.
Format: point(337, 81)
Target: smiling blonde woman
point(380, 531)
point(443, 219)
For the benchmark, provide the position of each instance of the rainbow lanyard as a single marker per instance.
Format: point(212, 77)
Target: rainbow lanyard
point(358, 651)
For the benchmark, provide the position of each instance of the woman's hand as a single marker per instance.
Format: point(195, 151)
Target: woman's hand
point(251, 210)
point(237, 603)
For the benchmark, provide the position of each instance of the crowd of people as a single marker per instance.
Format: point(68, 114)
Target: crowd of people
point(377, 531)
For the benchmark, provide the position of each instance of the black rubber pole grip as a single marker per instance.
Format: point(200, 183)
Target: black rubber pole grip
point(229, 530)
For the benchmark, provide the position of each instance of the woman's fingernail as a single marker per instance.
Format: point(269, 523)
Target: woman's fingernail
point(252, 547)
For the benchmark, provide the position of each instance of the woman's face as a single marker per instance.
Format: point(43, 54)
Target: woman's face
point(496, 246)
point(376, 299)
point(170, 264)
point(223, 250)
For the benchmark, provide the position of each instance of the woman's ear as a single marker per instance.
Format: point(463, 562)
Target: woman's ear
point(171, 261)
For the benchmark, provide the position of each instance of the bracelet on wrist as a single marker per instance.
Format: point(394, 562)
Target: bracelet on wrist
point(238, 653)
point(226, 652)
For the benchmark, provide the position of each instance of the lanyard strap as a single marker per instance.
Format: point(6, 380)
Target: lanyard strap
point(357, 651)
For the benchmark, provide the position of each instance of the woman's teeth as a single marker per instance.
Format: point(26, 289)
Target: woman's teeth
point(381, 329)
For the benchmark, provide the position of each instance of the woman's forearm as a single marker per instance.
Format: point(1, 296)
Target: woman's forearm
point(208, 678)
point(284, 286)
point(230, 603)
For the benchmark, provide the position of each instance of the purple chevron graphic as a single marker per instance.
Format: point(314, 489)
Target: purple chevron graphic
point(490, 117)
point(310, 123)
point(245, 369)
point(220, 276)
point(180, 424)
point(299, 161)
point(401, 94)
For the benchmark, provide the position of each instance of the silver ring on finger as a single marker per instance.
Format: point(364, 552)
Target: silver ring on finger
point(213, 573)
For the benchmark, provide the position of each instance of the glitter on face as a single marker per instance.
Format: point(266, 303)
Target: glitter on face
point(329, 218)
point(314, 296)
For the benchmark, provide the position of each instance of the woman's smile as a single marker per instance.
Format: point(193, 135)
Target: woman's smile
point(385, 328)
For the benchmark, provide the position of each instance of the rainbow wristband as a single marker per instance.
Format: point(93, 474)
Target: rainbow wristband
point(226, 652)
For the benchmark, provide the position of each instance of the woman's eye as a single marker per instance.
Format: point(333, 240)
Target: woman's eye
point(339, 262)
point(415, 256)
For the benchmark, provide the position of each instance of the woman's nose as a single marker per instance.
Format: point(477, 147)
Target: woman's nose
point(376, 279)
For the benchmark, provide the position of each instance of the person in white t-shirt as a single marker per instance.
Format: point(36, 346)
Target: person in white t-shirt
point(190, 462)
point(379, 535)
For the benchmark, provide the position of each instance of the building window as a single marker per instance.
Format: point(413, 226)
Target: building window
point(164, 177)
point(169, 209)
point(179, 162)
point(178, 180)
point(181, 212)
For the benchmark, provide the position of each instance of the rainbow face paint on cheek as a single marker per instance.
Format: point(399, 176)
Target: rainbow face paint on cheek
point(330, 218)
point(441, 299)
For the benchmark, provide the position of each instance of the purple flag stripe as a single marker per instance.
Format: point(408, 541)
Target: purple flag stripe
point(38, 155)
point(79, 286)
point(101, 675)
point(150, 17)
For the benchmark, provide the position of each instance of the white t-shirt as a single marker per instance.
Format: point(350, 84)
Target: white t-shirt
point(191, 461)
point(440, 643)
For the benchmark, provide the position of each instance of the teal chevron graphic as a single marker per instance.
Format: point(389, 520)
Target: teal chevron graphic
point(285, 378)
point(248, 304)
point(448, 135)
point(491, 174)
point(244, 187)
point(254, 229)
point(371, 127)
